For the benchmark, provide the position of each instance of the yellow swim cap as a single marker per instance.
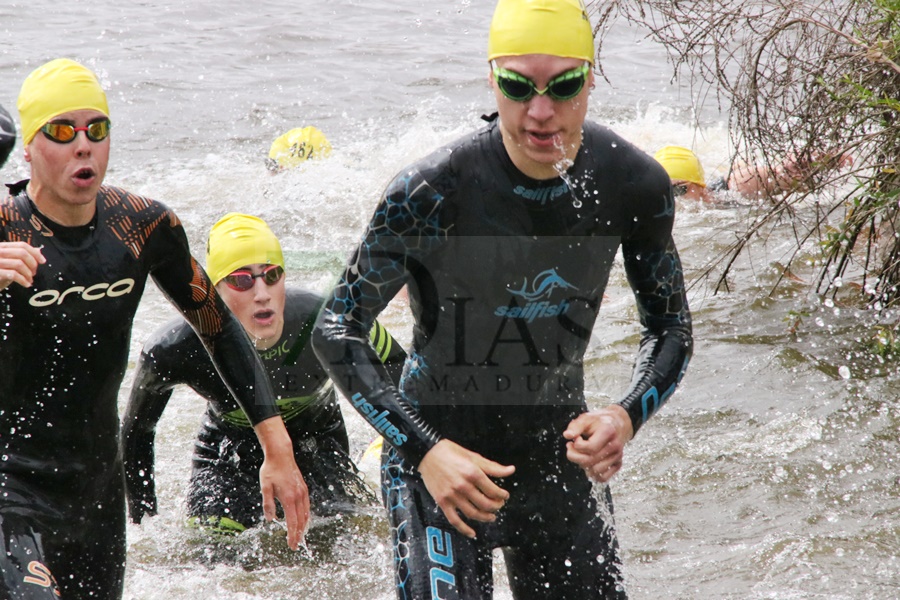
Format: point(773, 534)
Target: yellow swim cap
point(555, 27)
point(238, 240)
point(54, 88)
point(681, 164)
point(296, 146)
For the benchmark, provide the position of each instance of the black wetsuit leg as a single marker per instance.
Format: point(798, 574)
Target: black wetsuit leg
point(431, 559)
point(23, 562)
point(581, 563)
point(77, 555)
point(576, 558)
point(334, 482)
point(98, 555)
point(225, 483)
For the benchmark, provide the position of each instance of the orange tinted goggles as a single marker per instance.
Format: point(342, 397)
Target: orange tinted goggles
point(63, 133)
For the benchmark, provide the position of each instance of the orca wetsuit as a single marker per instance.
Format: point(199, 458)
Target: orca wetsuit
point(64, 346)
point(506, 275)
point(224, 490)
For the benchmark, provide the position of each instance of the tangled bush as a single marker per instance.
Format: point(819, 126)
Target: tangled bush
point(818, 81)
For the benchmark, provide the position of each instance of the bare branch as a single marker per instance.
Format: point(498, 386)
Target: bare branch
point(813, 80)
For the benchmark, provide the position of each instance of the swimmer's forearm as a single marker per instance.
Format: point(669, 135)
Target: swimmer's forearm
point(660, 365)
point(356, 370)
point(240, 367)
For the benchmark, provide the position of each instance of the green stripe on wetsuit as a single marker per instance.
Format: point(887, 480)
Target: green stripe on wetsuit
point(381, 341)
point(288, 407)
point(291, 407)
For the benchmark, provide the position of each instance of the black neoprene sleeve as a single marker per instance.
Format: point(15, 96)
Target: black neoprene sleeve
point(356, 370)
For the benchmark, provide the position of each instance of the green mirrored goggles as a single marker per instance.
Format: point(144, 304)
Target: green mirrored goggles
point(519, 88)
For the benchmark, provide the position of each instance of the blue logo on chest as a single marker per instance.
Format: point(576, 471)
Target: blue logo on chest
point(537, 298)
point(542, 195)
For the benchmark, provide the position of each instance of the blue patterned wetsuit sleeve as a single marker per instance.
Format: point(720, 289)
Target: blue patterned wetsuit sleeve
point(404, 228)
point(655, 273)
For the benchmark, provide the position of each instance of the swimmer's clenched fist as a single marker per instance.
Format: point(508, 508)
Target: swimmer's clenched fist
point(19, 263)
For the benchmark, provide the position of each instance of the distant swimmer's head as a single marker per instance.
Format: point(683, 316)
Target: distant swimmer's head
point(238, 240)
point(297, 146)
point(554, 27)
point(7, 135)
point(57, 87)
point(681, 164)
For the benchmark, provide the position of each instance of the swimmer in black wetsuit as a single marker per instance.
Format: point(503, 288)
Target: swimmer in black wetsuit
point(506, 240)
point(246, 264)
point(74, 260)
point(7, 135)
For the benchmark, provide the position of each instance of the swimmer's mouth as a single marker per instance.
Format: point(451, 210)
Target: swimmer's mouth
point(544, 137)
point(84, 173)
point(263, 314)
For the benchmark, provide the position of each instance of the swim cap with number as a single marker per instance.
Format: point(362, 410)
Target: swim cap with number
point(296, 146)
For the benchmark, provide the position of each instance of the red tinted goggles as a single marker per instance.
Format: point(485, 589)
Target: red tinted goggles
point(243, 279)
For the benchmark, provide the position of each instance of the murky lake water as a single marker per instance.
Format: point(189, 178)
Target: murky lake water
point(772, 473)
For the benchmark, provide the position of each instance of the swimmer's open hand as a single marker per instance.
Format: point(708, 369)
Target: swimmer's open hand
point(280, 478)
point(459, 481)
point(19, 263)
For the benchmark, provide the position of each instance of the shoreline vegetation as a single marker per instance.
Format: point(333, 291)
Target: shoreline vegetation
point(818, 81)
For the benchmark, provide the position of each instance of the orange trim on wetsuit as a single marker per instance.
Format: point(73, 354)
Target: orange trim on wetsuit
point(63, 357)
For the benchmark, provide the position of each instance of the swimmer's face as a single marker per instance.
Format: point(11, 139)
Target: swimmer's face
point(542, 134)
point(65, 178)
point(260, 309)
point(687, 190)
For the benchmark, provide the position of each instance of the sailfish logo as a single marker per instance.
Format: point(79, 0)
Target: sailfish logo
point(543, 285)
point(535, 306)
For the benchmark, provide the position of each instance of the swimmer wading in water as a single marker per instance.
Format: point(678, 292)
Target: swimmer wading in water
point(506, 239)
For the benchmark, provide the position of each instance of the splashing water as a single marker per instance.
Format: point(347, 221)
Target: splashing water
point(576, 201)
point(562, 167)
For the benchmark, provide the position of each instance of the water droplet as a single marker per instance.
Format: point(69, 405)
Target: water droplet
point(844, 371)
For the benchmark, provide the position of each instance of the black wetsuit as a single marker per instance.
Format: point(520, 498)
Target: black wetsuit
point(506, 275)
point(64, 346)
point(224, 488)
